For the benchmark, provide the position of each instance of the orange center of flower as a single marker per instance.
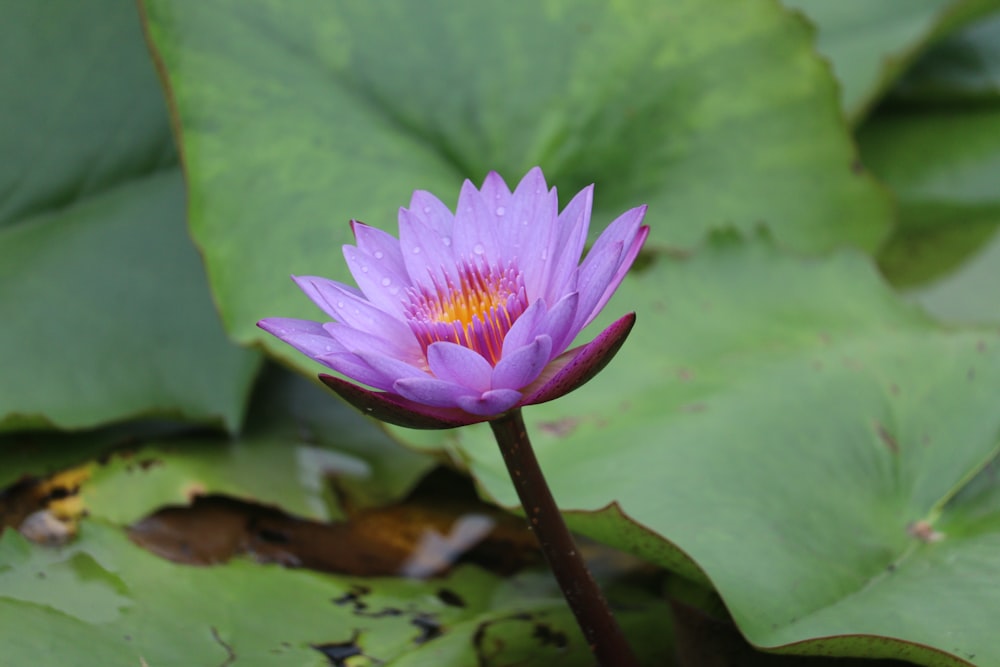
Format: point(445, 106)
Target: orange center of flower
point(476, 313)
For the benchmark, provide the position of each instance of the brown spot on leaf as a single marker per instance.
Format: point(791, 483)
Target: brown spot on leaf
point(888, 439)
point(924, 531)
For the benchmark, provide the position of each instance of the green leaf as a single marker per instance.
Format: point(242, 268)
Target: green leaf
point(869, 44)
point(298, 436)
point(943, 165)
point(776, 426)
point(963, 67)
point(149, 611)
point(108, 313)
point(295, 119)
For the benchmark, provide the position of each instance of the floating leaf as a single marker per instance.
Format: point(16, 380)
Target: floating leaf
point(294, 121)
point(109, 315)
point(788, 431)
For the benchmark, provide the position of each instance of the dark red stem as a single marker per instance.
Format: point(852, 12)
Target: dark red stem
point(603, 634)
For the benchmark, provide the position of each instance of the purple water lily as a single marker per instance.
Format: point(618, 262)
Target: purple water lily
point(469, 315)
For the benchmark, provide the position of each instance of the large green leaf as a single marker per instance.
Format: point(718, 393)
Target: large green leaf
point(107, 311)
point(869, 44)
point(943, 164)
point(779, 427)
point(965, 66)
point(298, 437)
point(295, 118)
point(103, 601)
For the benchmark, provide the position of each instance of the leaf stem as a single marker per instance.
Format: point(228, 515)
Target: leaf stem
point(593, 615)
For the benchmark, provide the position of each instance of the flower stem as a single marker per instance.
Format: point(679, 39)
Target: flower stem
point(603, 634)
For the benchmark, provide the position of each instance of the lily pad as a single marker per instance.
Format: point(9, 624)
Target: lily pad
point(103, 601)
point(788, 431)
point(109, 316)
point(943, 164)
point(870, 44)
point(294, 120)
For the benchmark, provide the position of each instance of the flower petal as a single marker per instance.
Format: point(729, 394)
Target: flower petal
point(559, 322)
point(349, 306)
point(428, 258)
point(428, 209)
point(520, 368)
point(475, 235)
point(356, 341)
point(492, 403)
point(625, 263)
point(394, 409)
point(579, 365)
point(461, 365)
point(571, 230)
point(374, 241)
point(380, 281)
point(306, 336)
point(595, 276)
point(526, 327)
point(350, 365)
point(431, 391)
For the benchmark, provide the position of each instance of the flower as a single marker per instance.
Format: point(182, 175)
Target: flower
point(469, 315)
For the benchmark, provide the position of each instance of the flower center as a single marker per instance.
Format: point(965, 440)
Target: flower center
point(476, 313)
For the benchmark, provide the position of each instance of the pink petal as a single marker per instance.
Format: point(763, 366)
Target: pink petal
point(560, 320)
point(425, 253)
point(475, 232)
point(394, 409)
point(595, 276)
point(306, 336)
point(380, 281)
point(579, 365)
point(624, 265)
point(428, 210)
point(431, 391)
point(356, 341)
point(373, 240)
point(348, 306)
point(520, 368)
point(492, 403)
point(460, 365)
point(527, 326)
point(571, 229)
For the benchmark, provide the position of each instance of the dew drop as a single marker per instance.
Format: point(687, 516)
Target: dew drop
point(446, 240)
point(427, 209)
point(364, 269)
point(340, 304)
point(379, 254)
point(329, 348)
point(545, 254)
point(500, 211)
point(478, 249)
point(416, 250)
point(386, 282)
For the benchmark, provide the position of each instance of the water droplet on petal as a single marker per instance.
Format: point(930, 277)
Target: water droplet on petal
point(329, 348)
point(446, 240)
point(340, 304)
point(478, 249)
point(386, 282)
point(427, 209)
point(364, 269)
point(545, 254)
point(416, 250)
point(379, 254)
point(501, 210)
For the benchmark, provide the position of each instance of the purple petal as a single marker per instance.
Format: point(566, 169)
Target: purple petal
point(571, 228)
point(559, 322)
point(394, 409)
point(520, 368)
point(428, 209)
point(425, 253)
point(350, 365)
point(433, 392)
point(374, 241)
point(384, 286)
point(624, 265)
point(527, 326)
point(492, 403)
point(460, 365)
point(348, 306)
point(356, 341)
point(389, 367)
point(595, 276)
point(306, 336)
point(475, 234)
point(535, 209)
point(579, 365)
